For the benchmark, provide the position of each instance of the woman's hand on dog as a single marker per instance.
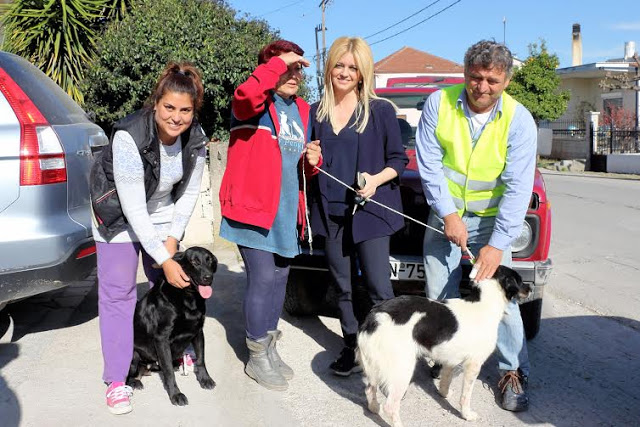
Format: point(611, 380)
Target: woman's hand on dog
point(175, 274)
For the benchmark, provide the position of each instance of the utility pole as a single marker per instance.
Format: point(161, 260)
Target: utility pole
point(321, 56)
point(323, 4)
point(504, 30)
point(319, 69)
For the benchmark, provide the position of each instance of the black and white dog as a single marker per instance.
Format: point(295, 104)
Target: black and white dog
point(450, 332)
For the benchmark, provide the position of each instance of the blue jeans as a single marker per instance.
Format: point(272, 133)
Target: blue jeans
point(443, 274)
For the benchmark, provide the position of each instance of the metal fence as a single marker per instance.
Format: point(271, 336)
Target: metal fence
point(616, 141)
point(565, 128)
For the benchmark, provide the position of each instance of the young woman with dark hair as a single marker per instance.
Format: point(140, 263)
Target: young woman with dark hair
point(262, 196)
point(144, 188)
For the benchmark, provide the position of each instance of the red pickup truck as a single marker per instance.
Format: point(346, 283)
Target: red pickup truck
point(309, 290)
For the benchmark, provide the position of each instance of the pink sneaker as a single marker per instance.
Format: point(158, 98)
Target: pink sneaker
point(118, 396)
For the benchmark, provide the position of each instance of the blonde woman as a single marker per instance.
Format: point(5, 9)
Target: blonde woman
point(358, 132)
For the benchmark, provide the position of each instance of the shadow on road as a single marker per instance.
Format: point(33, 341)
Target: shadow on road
point(61, 308)
point(10, 413)
point(226, 307)
point(586, 371)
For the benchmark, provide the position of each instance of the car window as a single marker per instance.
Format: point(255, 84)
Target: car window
point(56, 106)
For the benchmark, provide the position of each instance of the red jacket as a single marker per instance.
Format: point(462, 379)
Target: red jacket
point(250, 188)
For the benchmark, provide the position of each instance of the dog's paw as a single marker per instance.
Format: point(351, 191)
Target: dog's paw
point(179, 399)
point(374, 407)
point(444, 393)
point(135, 384)
point(470, 415)
point(207, 383)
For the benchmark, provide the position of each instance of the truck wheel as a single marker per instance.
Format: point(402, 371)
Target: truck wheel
point(531, 313)
point(306, 294)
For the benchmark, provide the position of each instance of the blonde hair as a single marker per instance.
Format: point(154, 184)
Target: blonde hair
point(364, 61)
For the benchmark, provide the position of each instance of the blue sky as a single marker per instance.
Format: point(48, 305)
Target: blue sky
point(606, 25)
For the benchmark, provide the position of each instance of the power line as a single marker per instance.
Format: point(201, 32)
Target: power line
point(280, 8)
point(415, 25)
point(405, 19)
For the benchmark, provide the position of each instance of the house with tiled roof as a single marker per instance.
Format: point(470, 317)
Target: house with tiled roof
point(410, 62)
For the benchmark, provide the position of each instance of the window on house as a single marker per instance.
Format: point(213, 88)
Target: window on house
point(611, 104)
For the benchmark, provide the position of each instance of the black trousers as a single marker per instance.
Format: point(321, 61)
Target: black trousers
point(372, 256)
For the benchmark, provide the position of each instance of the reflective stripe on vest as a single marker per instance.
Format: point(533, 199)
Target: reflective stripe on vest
point(473, 172)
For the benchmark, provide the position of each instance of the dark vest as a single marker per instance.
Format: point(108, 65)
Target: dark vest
point(141, 125)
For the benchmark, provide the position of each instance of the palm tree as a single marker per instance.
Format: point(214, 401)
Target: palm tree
point(58, 36)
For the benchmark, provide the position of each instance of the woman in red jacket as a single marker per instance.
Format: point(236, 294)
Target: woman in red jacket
point(262, 196)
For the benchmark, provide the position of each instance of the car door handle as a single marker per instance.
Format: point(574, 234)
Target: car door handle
point(98, 140)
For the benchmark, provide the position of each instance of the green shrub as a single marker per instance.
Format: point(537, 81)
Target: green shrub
point(132, 52)
point(535, 84)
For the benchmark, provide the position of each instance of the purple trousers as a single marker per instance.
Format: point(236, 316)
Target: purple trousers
point(117, 297)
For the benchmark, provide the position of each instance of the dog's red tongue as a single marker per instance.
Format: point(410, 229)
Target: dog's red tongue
point(205, 291)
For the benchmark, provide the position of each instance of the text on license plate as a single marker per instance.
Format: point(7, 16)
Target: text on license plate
point(406, 270)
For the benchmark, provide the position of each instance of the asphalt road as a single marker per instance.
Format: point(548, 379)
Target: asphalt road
point(585, 359)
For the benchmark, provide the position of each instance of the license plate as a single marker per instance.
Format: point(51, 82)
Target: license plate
point(406, 270)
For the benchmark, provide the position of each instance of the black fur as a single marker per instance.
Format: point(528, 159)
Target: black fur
point(168, 319)
point(511, 282)
point(442, 323)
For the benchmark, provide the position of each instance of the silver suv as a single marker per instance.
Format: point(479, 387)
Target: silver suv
point(47, 145)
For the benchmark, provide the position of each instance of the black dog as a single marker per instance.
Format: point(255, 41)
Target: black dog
point(168, 319)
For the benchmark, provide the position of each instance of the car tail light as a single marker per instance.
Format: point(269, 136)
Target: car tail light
point(42, 159)
point(86, 252)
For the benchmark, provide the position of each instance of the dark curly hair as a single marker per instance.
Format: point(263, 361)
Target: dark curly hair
point(489, 54)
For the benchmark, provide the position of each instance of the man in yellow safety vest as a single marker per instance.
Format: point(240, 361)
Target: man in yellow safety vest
point(476, 152)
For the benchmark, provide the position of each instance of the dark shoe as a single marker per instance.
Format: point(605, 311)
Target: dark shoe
point(435, 371)
point(346, 364)
point(260, 368)
point(276, 360)
point(513, 386)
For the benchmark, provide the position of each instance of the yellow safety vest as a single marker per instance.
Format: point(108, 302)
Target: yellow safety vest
point(473, 173)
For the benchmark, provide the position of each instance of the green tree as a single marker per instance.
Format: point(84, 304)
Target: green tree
point(133, 51)
point(535, 84)
point(58, 36)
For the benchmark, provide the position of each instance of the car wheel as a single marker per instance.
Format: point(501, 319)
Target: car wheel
point(531, 313)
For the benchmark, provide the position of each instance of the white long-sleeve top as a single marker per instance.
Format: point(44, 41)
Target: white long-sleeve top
point(150, 223)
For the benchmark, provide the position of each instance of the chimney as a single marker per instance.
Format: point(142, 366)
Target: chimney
point(629, 50)
point(576, 46)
